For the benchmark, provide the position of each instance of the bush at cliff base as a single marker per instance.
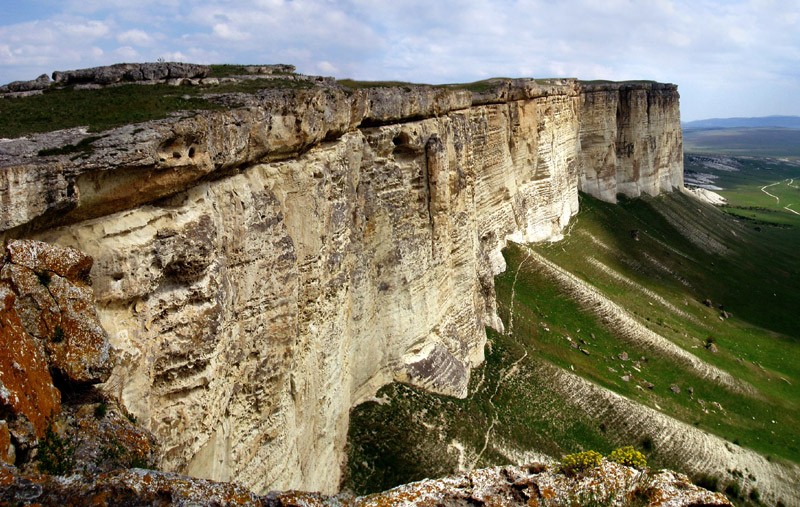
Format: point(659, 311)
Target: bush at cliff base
point(578, 462)
point(628, 456)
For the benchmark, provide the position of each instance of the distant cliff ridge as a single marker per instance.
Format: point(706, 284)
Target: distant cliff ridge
point(262, 269)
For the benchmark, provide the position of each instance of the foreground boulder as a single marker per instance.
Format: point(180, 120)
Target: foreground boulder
point(55, 304)
point(48, 326)
point(609, 484)
point(28, 397)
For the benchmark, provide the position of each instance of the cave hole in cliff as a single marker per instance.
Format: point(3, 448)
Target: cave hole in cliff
point(402, 145)
point(176, 154)
point(191, 152)
point(401, 139)
point(72, 392)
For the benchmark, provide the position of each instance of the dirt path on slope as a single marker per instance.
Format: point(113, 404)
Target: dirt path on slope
point(763, 189)
point(506, 373)
point(790, 209)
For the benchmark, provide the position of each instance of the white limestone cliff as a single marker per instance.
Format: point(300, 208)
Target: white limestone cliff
point(262, 270)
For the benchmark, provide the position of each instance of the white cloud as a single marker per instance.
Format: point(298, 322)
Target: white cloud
point(52, 43)
point(224, 31)
point(176, 56)
point(326, 68)
point(126, 53)
point(135, 37)
point(86, 29)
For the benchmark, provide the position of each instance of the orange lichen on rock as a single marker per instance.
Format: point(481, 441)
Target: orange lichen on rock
point(39, 256)
point(26, 387)
point(55, 304)
point(7, 453)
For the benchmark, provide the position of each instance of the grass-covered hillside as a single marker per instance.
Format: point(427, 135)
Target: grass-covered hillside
point(662, 322)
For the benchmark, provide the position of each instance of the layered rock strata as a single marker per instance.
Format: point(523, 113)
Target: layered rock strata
point(631, 141)
point(261, 270)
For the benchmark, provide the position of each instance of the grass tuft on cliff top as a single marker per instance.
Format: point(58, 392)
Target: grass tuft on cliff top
point(114, 106)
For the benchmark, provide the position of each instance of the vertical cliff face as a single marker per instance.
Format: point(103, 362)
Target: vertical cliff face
point(631, 139)
point(252, 311)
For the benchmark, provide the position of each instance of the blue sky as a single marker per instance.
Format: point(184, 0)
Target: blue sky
point(729, 58)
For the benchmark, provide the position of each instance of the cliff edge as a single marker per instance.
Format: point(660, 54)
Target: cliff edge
point(262, 268)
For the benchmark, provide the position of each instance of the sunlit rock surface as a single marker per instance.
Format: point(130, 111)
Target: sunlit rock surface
point(631, 139)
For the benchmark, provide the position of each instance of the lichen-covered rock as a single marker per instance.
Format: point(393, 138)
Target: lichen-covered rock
point(105, 438)
point(535, 485)
point(609, 484)
point(120, 488)
point(40, 257)
point(7, 451)
point(48, 323)
point(28, 398)
point(55, 304)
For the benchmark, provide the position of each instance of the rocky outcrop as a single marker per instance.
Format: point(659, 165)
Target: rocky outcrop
point(27, 395)
point(55, 304)
point(131, 72)
point(52, 349)
point(48, 324)
point(40, 83)
point(609, 484)
point(276, 68)
point(260, 270)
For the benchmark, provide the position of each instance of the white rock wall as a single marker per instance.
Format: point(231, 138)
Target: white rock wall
point(253, 312)
point(631, 140)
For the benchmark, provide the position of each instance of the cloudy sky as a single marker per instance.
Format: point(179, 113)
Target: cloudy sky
point(729, 57)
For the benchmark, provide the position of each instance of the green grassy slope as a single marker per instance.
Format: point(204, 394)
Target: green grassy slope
point(516, 409)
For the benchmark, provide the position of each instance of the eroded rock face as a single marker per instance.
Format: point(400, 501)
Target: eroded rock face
point(631, 140)
point(254, 311)
point(262, 270)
